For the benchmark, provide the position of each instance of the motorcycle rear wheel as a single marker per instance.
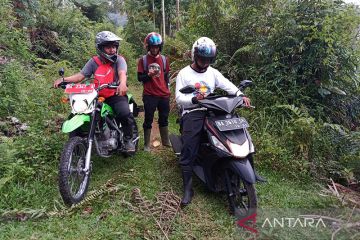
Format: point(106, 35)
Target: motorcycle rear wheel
point(73, 182)
point(242, 197)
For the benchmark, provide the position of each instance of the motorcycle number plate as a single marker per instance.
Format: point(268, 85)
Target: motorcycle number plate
point(231, 124)
point(79, 88)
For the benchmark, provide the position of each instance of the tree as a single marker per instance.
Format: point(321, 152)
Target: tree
point(95, 10)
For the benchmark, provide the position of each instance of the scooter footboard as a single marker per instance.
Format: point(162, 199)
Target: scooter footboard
point(243, 169)
point(176, 143)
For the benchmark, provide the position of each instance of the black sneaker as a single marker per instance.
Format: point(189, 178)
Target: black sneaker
point(129, 146)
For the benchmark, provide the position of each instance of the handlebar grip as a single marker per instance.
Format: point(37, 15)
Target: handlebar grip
point(63, 85)
point(112, 86)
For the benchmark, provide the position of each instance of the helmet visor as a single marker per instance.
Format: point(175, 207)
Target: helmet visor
point(205, 60)
point(206, 51)
point(110, 43)
point(155, 40)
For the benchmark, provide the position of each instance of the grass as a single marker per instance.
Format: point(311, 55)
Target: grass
point(205, 218)
point(106, 217)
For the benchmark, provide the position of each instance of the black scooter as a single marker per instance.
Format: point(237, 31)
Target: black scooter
point(224, 160)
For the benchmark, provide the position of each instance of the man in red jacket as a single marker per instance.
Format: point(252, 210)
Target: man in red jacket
point(153, 72)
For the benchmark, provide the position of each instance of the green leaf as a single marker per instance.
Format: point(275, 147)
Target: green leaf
point(4, 180)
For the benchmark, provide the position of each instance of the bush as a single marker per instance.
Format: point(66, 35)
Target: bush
point(290, 141)
point(27, 96)
point(13, 40)
point(12, 75)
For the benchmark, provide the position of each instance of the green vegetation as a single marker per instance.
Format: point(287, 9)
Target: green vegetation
point(109, 218)
point(303, 57)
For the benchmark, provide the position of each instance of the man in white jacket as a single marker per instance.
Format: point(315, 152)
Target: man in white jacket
point(205, 78)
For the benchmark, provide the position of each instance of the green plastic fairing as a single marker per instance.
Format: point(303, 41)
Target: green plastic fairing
point(75, 122)
point(106, 110)
point(129, 95)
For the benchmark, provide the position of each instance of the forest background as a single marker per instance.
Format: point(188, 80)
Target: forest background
point(303, 57)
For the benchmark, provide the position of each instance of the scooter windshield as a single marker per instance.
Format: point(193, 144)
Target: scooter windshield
point(226, 104)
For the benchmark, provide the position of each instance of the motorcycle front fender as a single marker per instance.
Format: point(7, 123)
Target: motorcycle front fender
point(243, 169)
point(75, 122)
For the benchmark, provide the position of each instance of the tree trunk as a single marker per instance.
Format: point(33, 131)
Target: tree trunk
point(163, 18)
point(177, 15)
point(153, 13)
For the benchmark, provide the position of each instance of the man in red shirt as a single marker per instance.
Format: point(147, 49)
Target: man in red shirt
point(153, 72)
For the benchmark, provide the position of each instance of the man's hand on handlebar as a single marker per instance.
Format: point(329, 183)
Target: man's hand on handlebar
point(247, 102)
point(121, 89)
point(200, 96)
point(57, 82)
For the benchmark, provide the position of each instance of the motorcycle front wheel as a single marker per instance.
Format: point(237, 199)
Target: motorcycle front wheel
point(241, 195)
point(73, 181)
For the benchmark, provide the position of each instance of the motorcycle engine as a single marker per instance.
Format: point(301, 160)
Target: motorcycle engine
point(107, 141)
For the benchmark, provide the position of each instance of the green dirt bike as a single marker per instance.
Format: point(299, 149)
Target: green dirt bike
point(91, 126)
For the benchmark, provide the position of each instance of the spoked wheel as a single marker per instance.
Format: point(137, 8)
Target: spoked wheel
point(242, 195)
point(73, 181)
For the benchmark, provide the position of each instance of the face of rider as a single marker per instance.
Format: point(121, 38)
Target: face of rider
point(203, 62)
point(110, 49)
point(154, 50)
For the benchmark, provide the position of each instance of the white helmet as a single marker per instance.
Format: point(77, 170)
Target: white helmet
point(204, 48)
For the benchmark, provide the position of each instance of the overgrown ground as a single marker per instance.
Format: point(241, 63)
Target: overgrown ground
point(109, 216)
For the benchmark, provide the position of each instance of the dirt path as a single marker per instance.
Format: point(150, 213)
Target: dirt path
point(155, 134)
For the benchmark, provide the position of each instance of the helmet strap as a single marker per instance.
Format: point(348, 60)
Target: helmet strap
point(106, 57)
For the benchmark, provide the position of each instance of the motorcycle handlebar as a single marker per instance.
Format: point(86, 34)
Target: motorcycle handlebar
point(110, 86)
point(213, 96)
point(63, 84)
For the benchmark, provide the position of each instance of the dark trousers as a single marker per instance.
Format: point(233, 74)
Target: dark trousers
point(151, 103)
point(192, 127)
point(123, 115)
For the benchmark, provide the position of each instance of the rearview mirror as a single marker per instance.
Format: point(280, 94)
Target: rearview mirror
point(61, 72)
point(244, 84)
point(188, 89)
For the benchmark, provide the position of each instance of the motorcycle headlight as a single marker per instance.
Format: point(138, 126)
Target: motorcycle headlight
point(80, 106)
point(219, 145)
point(238, 150)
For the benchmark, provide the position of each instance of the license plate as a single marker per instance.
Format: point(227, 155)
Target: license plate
point(79, 88)
point(231, 124)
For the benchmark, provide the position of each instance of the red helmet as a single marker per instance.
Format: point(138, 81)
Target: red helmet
point(153, 39)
